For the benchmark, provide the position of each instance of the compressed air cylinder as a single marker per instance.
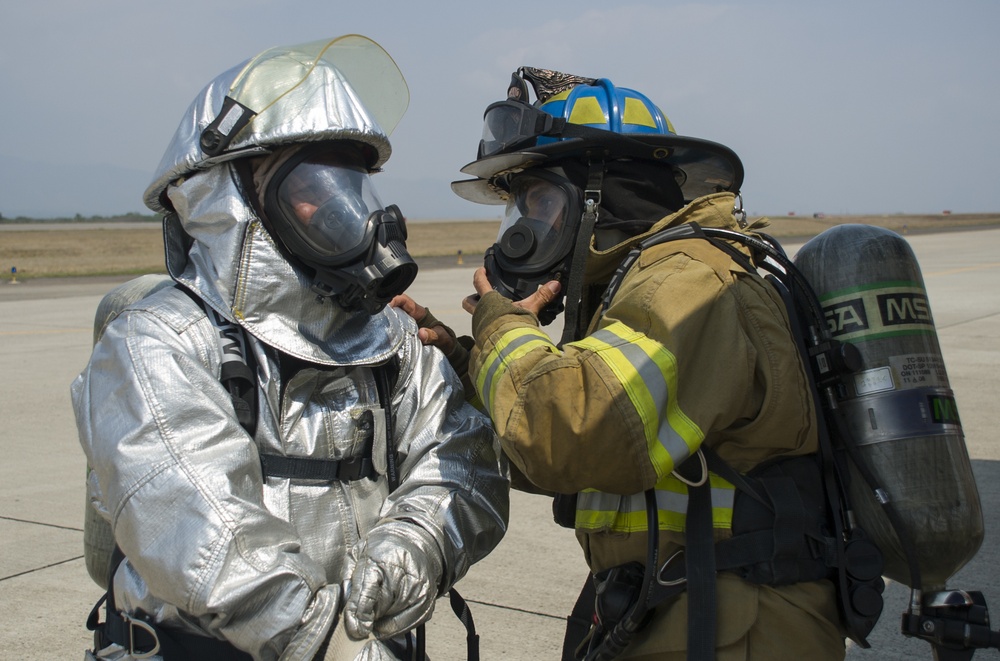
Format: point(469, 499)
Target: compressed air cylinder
point(899, 407)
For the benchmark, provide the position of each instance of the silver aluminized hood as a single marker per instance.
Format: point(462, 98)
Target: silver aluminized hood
point(236, 267)
point(341, 89)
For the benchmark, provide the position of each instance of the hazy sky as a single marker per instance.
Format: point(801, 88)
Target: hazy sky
point(872, 106)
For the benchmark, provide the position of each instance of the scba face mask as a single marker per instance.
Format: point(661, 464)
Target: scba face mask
point(324, 209)
point(536, 237)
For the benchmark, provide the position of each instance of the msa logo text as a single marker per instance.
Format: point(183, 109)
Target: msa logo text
point(903, 308)
point(943, 409)
point(847, 316)
point(878, 312)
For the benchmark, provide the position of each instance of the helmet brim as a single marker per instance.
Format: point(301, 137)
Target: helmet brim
point(704, 167)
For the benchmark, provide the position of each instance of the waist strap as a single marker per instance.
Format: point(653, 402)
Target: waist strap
point(142, 639)
point(326, 470)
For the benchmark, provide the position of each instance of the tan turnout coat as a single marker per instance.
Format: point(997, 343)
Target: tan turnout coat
point(693, 349)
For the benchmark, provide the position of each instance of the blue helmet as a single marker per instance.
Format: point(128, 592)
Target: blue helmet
point(576, 117)
point(604, 106)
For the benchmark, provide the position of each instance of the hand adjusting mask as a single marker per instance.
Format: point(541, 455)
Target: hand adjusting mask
point(536, 237)
point(322, 207)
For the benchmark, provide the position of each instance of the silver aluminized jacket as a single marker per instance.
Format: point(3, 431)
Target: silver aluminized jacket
point(212, 546)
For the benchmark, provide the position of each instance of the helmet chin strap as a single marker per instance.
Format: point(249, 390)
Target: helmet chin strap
point(574, 287)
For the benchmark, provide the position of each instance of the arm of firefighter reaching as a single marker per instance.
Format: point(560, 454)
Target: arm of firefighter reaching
point(433, 332)
point(183, 483)
point(623, 407)
point(456, 348)
point(449, 511)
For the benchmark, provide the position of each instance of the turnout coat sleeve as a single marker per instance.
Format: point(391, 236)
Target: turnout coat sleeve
point(693, 349)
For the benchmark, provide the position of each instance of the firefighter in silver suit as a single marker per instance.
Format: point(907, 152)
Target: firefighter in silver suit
point(263, 523)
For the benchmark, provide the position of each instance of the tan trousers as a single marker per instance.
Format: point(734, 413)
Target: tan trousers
point(755, 623)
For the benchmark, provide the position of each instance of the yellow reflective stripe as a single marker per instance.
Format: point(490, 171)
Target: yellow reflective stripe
point(511, 346)
point(596, 510)
point(587, 110)
point(647, 372)
point(637, 113)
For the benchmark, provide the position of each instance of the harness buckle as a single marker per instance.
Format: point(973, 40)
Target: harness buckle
point(143, 627)
point(679, 471)
point(355, 468)
point(663, 576)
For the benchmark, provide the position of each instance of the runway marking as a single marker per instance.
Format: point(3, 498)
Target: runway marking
point(42, 568)
point(40, 523)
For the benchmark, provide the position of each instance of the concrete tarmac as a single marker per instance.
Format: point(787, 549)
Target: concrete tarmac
point(520, 594)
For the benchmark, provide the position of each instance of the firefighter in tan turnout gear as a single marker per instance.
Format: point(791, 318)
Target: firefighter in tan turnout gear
point(684, 364)
point(278, 456)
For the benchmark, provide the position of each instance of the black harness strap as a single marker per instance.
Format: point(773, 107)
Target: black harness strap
point(386, 375)
point(699, 561)
point(324, 470)
point(461, 610)
point(235, 373)
point(580, 620)
point(574, 288)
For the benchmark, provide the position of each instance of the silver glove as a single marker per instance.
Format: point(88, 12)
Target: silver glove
point(395, 581)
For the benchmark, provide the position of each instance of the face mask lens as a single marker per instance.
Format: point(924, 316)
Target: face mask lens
point(536, 217)
point(544, 203)
point(327, 202)
point(538, 202)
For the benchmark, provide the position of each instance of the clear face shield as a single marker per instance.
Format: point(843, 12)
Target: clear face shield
point(280, 81)
point(323, 207)
point(537, 235)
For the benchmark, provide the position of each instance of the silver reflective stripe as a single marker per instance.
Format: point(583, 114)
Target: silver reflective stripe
point(647, 372)
point(511, 346)
point(655, 382)
point(596, 510)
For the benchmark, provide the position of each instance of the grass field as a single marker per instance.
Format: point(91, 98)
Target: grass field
point(36, 251)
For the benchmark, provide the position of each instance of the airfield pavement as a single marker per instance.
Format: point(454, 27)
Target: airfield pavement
point(520, 594)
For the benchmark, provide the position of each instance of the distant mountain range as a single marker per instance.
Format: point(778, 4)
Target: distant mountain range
point(41, 190)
